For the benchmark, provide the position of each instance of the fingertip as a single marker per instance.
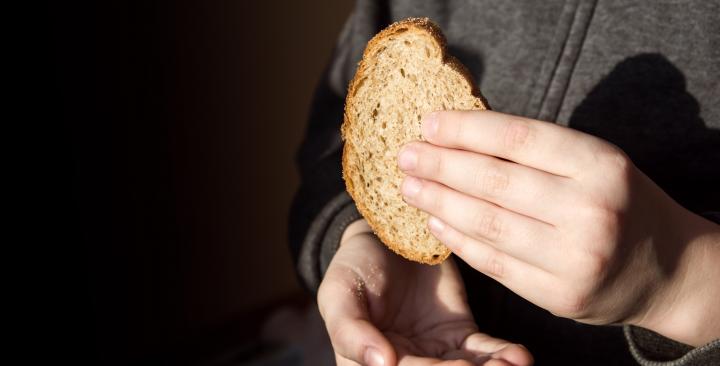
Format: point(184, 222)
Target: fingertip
point(385, 356)
point(411, 186)
point(389, 353)
point(380, 353)
point(373, 357)
point(407, 157)
point(360, 341)
point(497, 362)
point(515, 354)
point(448, 236)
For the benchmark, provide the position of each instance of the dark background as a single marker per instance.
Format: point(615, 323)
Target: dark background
point(181, 121)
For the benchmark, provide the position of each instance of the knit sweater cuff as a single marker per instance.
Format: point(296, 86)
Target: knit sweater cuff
point(331, 242)
point(652, 349)
point(323, 239)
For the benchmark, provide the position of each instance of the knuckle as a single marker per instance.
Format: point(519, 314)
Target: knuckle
point(322, 307)
point(595, 255)
point(606, 220)
point(322, 299)
point(455, 130)
point(517, 134)
point(615, 163)
point(435, 199)
point(494, 265)
point(435, 163)
point(448, 129)
point(595, 265)
point(487, 225)
point(574, 304)
point(326, 292)
point(458, 245)
point(491, 182)
point(600, 212)
point(620, 166)
point(339, 334)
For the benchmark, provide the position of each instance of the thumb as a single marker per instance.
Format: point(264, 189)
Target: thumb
point(360, 341)
point(351, 333)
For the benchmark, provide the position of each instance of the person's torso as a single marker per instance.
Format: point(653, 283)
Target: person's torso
point(641, 74)
point(644, 75)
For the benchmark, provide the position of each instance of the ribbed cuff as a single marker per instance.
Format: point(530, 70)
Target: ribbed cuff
point(334, 233)
point(651, 349)
point(323, 238)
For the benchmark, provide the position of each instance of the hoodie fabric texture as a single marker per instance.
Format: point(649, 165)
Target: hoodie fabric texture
point(644, 75)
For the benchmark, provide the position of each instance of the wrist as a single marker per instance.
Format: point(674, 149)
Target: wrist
point(358, 227)
point(685, 307)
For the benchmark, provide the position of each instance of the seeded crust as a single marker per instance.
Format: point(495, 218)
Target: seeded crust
point(383, 110)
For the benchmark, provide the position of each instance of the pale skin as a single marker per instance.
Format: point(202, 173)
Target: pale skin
point(565, 220)
point(381, 309)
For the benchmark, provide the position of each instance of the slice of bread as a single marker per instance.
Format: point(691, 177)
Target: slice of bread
point(404, 74)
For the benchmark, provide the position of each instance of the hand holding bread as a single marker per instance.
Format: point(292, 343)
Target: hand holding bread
point(565, 220)
point(558, 216)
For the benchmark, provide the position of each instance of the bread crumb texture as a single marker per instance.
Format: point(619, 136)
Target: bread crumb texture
point(404, 74)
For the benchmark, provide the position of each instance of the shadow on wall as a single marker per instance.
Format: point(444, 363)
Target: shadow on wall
point(643, 107)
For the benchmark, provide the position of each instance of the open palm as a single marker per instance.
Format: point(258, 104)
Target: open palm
point(382, 309)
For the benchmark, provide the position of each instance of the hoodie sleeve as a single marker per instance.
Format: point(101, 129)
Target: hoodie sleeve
point(651, 349)
point(321, 209)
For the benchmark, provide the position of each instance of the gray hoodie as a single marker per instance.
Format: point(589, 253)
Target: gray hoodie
point(644, 75)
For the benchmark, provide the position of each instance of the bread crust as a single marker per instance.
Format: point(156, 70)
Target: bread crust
point(425, 25)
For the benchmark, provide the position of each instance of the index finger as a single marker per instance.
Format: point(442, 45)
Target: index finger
point(542, 145)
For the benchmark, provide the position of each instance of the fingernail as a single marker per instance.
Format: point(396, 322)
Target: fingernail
point(407, 159)
point(373, 357)
point(436, 226)
point(430, 125)
point(411, 187)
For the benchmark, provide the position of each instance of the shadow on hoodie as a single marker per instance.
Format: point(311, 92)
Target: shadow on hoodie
point(643, 107)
